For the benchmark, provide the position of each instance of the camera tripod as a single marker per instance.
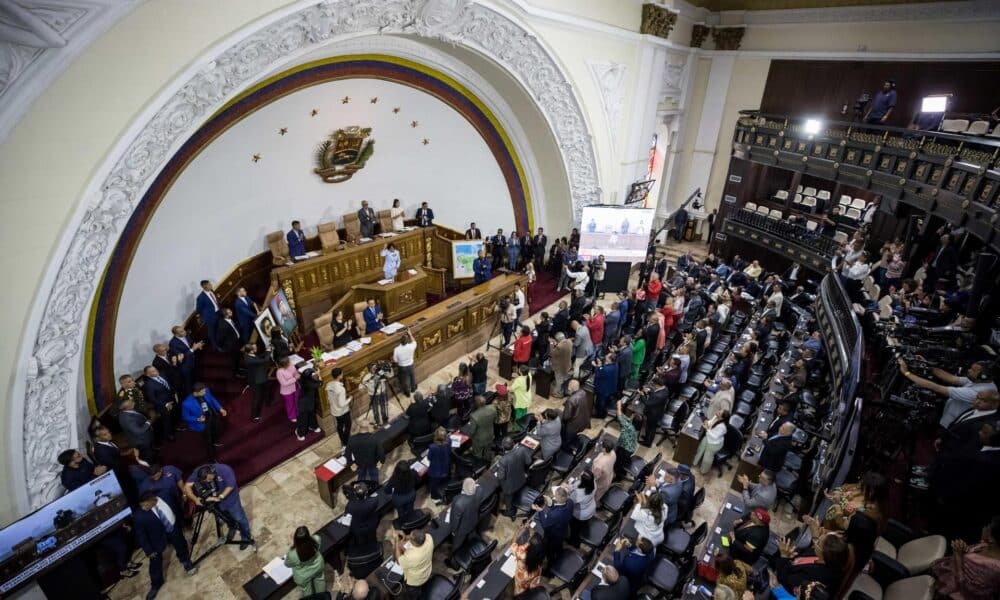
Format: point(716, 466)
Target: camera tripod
point(220, 518)
point(379, 382)
point(493, 333)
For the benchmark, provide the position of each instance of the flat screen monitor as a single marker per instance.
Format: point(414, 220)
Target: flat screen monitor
point(620, 233)
point(38, 542)
point(463, 254)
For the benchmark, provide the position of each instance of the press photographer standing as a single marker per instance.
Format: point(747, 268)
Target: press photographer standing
point(403, 357)
point(216, 484)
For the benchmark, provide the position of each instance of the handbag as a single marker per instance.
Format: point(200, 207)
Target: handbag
point(707, 571)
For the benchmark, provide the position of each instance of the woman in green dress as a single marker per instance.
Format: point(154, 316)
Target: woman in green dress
point(638, 356)
point(306, 563)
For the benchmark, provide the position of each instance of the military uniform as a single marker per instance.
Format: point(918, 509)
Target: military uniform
point(138, 398)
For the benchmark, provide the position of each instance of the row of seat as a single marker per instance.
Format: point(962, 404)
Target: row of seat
point(329, 236)
point(806, 235)
point(963, 126)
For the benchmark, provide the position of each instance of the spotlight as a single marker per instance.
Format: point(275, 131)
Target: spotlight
point(813, 126)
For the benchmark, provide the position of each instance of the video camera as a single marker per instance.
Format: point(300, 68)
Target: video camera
point(381, 369)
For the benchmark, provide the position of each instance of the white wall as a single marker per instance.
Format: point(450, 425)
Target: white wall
point(223, 204)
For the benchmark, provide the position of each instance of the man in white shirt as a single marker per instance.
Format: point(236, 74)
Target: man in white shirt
point(777, 297)
point(580, 279)
point(403, 357)
point(522, 303)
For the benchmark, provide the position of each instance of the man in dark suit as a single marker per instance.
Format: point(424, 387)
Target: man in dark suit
point(137, 428)
point(944, 264)
point(425, 216)
point(633, 562)
point(109, 455)
point(166, 365)
point(257, 365)
point(473, 232)
point(182, 349)
point(464, 513)
point(654, 403)
point(246, 311)
point(162, 396)
point(782, 415)
point(962, 435)
point(540, 241)
point(776, 447)
point(482, 268)
point(373, 317)
point(512, 472)
point(560, 323)
point(207, 306)
point(367, 218)
point(155, 526)
point(130, 390)
point(296, 240)
point(228, 337)
point(554, 520)
point(498, 248)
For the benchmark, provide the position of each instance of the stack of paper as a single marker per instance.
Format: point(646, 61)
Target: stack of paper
point(336, 465)
point(295, 359)
point(509, 566)
point(302, 366)
point(365, 340)
point(411, 271)
point(277, 570)
point(336, 354)
point(392, 328)
point(354, 345)
point(385, 281)
point(301, 257)
point(312, 254)
point(365, 239)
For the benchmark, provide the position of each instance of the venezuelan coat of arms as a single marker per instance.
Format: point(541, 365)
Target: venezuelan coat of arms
point(344, 154)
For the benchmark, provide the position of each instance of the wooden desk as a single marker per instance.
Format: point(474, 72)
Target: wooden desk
point(401, 298)
point(444, 332)
point(391, 436)
point(313, 285)
point(731, 510)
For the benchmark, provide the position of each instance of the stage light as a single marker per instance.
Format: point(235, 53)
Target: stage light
point(934, 104)
point(813, 126)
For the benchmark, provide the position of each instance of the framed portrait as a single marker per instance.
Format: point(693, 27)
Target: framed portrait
point(284, 317)
point(264, 323)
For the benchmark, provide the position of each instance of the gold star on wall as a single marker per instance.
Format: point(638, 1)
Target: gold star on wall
point(314, 112)
point(283, 131)
point(414, 124)
point(395, 110)
point(374, 100)
point(345, 100)
point(426, 141)
point(256, 157)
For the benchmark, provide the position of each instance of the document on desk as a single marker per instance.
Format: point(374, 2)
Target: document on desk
point(312, 254)
point(392, 328)
point(346, 519)
point(336, 465)
point(509, 566)
point(385, 281)
point(277, 570)
point(354, 345)
point(295, 359)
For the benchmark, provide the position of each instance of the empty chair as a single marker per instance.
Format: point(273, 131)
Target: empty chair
point(420, 443)
point(811, 225)
point(361, 567)
point(840, 237)
point(439, 587)
point(278, 246)
point(775, 214)
point(329, 239)
point(763, 210)
point(750, 206)
point(352, 227)
point(595, 532)
point(615, 500)
point(799, 189)
point(859, 203)
point(955, 125)
point(916, 555)
point(781, 195)
point(538, 476)
point(797, 199)
point(681, 544)
point(995, 132)
point(853, 213)
point(809, 191)
point(565, 460)
point(978, 128)
point(417, 519)
point(845, 199)
point(569, 567)
point(474, 555)
point(669, 578)
point(823, 194)
point(809, 202)
point(467, 466)
point(637, 465)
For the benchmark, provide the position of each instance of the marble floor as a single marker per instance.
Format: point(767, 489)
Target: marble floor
point(286, 497)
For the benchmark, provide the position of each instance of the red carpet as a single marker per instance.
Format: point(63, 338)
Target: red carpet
point(543, 293)
point(251, 449)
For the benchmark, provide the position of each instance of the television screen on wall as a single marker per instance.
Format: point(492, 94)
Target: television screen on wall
point(620, 233)
point(38, 542)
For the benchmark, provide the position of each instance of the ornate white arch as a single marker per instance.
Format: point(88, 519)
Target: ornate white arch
point(44, 422)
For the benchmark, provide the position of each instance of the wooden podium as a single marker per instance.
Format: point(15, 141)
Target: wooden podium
point(401, 298)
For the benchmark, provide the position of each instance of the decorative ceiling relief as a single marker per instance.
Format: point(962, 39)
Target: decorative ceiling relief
point(38, 39)
point(610, 79)
point(53, 364)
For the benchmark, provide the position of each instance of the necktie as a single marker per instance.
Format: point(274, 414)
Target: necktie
point(162, 382)
point(167, 525)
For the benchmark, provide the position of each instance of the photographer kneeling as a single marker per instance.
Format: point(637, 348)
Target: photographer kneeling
point(213, 487)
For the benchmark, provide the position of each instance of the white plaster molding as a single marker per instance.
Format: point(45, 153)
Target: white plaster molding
point(39, 39)
point(45, 388)
point(965, 10)
point(610, 79)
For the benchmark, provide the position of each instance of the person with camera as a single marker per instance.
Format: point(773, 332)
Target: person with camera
point(403, 355)
point(374, 381)
point(213, 487)
point(156, 525)
point(508, 316)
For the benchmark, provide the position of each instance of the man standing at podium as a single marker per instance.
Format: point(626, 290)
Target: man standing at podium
point(296, 240)
point(482, 268)
point(425, 216)
point(367, 218)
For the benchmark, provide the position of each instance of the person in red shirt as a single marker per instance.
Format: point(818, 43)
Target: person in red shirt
point(522, 347)
point(595, 324)
point(653, 289)
point(668, 317)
